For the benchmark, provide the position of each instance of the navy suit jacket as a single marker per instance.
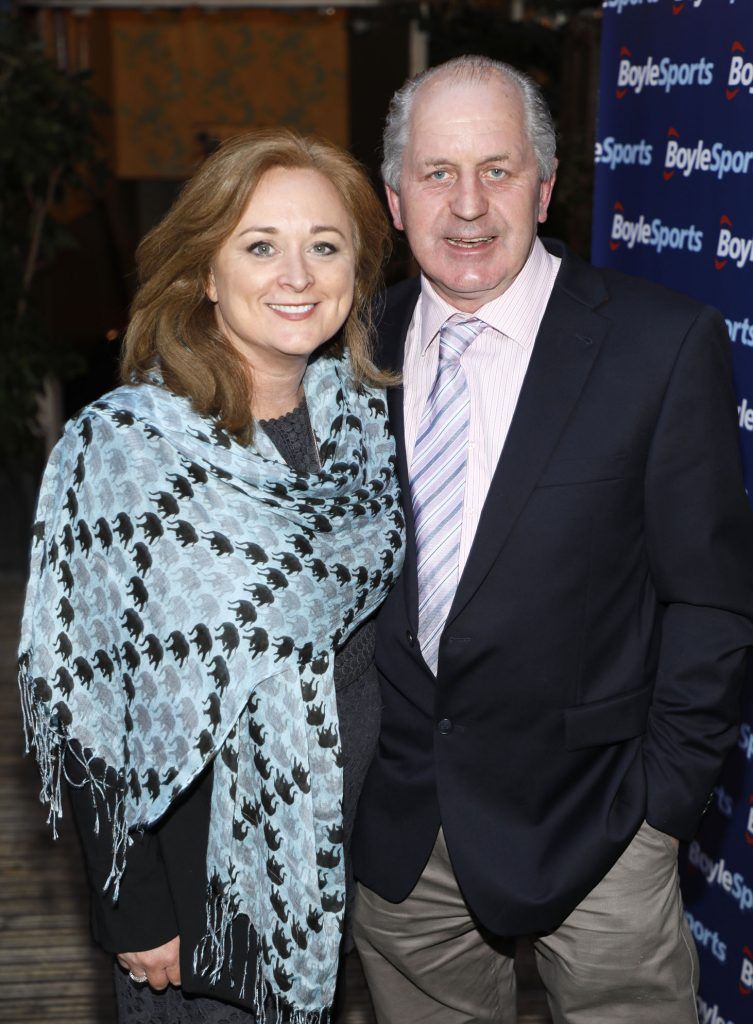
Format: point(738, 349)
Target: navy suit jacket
point(590, 667)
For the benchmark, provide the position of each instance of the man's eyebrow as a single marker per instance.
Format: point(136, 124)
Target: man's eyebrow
point(440, 161)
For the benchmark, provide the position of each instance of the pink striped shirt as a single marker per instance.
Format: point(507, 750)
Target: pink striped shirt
point(495, 365)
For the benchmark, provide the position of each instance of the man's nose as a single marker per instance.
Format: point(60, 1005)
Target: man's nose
point(295, 272)
point(469, 200)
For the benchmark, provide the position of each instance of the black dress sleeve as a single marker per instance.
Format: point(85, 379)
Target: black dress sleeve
point(144, 916)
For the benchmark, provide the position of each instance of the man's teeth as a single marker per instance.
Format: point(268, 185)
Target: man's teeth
point(469, 242)
point(292, 309)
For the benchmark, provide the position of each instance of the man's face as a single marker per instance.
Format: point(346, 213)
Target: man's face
point(470, 195)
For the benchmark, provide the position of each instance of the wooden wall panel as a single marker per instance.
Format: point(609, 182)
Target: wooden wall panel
point(181, 76)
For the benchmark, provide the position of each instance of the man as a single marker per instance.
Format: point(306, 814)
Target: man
point(562, 658)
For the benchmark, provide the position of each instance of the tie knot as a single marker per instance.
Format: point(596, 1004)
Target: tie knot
point(456, 334)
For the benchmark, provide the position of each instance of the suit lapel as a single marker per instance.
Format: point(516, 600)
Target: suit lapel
point(566, 347)
point(393, 329)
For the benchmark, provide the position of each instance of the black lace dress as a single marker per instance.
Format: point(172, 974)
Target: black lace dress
point(163, 889)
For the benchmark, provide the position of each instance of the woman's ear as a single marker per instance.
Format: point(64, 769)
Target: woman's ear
point(210, 287)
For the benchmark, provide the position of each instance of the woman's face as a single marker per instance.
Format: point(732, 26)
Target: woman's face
point(282, 283)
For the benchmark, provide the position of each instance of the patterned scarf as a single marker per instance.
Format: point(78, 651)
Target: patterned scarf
point(185, 601)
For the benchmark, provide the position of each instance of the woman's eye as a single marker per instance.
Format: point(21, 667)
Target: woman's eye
point(323, 248)
point(260, 249)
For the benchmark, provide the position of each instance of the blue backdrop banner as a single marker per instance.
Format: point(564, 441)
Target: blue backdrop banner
point(673, 202)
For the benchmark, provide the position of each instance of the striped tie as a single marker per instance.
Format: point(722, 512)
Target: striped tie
point(438, 483)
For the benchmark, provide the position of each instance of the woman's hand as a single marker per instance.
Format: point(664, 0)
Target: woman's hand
point(160, 966)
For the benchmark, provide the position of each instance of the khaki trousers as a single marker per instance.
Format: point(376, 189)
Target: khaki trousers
point(624, 956)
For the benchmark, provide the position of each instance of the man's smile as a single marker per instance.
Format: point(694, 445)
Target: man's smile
point(470, 243)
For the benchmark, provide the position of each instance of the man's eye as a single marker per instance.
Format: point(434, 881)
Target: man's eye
point(438, 175)
point(323, 248)
point(260, 249)
point(497, 172)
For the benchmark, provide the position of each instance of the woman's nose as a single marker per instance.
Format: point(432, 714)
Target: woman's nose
point(295, 272)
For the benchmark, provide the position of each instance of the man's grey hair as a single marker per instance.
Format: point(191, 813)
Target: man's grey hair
point(469, 68)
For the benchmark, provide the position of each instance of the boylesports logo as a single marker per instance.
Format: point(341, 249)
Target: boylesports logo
point(620, 5)
point(692, 5)
point(741, 331)
point(745, 737)
point(731, 247)
point(724, 802)
point(716, 872)
point(653, 234)
point(680, 5)
point(708, 158)
point(745, 419)
point(706, 938)
point(613, 153)
point(663, 74)
point(710, 1014)
point(745, 984)
point(740, 73)
point(677, 8)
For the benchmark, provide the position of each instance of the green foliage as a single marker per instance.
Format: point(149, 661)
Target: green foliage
point(48, 146)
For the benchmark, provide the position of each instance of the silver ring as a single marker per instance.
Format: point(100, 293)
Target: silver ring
point(138, 979)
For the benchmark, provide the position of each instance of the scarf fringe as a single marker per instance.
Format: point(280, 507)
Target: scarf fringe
point(45, 736)
point(44, 739)
point(210, 954)
point(215, 951)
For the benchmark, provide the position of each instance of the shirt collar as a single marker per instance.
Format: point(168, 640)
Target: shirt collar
point(513, 313)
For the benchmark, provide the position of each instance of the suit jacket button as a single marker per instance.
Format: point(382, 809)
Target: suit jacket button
point(445, 726)
point(410, 638)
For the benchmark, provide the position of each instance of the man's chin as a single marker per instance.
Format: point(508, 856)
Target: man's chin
point(469, 292)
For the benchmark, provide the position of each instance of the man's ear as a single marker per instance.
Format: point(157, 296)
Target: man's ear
point(545, 194)
point(210, 287)
point(393, 201)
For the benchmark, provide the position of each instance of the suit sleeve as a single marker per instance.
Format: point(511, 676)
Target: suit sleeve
point(699, 530)
point(144, 916)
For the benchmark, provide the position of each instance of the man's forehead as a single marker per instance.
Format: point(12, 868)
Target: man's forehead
point(484, 135)
point(480, 134)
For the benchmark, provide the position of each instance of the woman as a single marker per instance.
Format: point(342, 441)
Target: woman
point(209, 535)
